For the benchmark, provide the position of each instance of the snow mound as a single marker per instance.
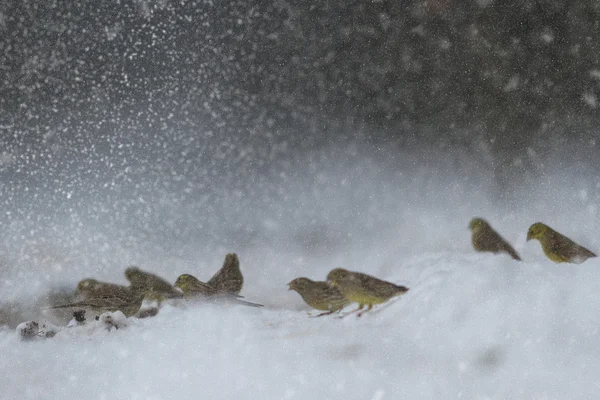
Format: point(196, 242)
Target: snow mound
point(472, 326)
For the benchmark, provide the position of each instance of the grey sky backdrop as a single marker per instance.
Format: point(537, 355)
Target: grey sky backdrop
point(141, 114)
point(503, 70)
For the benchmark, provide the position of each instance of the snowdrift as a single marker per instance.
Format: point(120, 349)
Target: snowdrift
point(472, 326)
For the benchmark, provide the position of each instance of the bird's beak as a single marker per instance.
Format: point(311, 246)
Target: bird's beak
point(529, 237)
point(290, 286)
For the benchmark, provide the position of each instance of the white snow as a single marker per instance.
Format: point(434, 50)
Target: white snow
point(473, 326)
point(590, 99)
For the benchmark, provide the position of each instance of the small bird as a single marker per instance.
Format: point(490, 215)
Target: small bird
point(486, 239)
point(90, 287)
point(363, 289)
point(142, 281)
point(192, 287)
point(229, 278)
point(128, 302)
point(557, 247)
point(319, 295)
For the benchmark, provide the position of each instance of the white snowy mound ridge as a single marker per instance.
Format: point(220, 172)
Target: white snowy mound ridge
point(475, 326)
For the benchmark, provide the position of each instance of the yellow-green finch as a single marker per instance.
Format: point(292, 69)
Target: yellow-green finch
point(486, 239)
point(363, 289)
point(192, 288)
point(229, 278)
point(319, 295)
point(142, 281)
point(557, 247)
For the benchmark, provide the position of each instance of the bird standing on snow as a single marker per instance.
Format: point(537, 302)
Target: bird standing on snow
point(229, 278)
point(319, 295)
point(486, 239)
point(192, 287)
point(363, 289)
point(557, 247)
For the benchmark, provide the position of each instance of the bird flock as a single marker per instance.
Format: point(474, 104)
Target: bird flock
point(341, 288)
point(100, 297)
point(556, 247)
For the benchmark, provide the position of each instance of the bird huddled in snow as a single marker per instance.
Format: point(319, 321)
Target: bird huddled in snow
point(486, 239)
point(556, 246)
point(229, 278)
point(193, 288)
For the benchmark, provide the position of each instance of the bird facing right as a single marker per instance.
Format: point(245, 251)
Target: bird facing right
point(486, 239)
point(363, 289)
point(557, 247)
point(319, 295)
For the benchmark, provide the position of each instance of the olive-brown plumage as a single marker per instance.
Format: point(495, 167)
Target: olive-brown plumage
point(229, 278)
point(556, 246)
point(363, 289)
point(319, 295)
point(100, 297)
point(193, 288)
point(142, 281)
point(127, 301)
point(486, 239)
point(91, 287)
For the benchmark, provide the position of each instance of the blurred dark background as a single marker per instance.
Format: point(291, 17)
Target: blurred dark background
point(506, 78)
point(191, 124)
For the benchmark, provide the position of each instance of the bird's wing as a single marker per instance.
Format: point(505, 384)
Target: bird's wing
point(160, 284)
point(218, 277)
point(100, 301)
point(511, 251)
point(586, 252)
point(199, 287)
point(579, 254)
point(563, 247)
point(381, 287)
point(492, 241)
point(229, 277)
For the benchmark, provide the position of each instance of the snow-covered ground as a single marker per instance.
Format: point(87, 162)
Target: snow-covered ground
point(473, 326)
